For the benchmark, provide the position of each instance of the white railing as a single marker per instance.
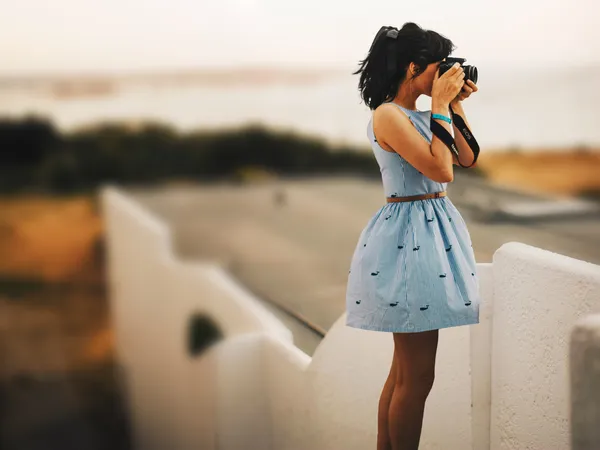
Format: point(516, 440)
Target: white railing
point(502, 384)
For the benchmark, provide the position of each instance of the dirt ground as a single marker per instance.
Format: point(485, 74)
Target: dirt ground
point(565, 173)
point(59, 384)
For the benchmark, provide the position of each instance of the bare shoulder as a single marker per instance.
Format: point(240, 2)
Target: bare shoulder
point(386, 120)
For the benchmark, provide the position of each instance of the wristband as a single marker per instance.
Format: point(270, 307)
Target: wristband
point(441, 116)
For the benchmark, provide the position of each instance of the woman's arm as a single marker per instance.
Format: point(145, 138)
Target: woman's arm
point(464, 151)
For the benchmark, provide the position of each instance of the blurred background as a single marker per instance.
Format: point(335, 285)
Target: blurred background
point(239, 123)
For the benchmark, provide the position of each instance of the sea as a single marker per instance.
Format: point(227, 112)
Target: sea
point(537, 109)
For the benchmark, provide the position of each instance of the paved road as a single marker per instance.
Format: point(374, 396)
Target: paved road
point(298, 254)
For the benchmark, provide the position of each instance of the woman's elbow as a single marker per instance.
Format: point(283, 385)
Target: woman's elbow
point(445, 177)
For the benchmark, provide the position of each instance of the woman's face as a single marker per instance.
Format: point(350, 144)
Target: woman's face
point(425, 79)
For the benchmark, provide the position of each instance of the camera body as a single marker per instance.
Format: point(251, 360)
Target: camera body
point(470, 71)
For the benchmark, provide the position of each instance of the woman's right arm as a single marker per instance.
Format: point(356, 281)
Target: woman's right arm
point(397, 131)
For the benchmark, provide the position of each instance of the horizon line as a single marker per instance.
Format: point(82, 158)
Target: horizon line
point(296, 68)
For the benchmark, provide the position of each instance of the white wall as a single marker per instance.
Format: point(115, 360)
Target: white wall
point(538, 297)
point(172, 396)
point(497, 387)
point(286, 380)
point(347, 373)
point(481, 360)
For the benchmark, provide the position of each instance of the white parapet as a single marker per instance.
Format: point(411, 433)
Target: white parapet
point(171, 393)
point(500, 385)
point(585, 384)
point(538, 297)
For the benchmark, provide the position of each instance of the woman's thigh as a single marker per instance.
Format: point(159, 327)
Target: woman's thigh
point(414, 355)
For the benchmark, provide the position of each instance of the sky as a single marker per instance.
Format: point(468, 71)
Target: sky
point(75, 36)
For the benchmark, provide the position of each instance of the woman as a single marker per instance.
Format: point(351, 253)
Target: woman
point(413, 269)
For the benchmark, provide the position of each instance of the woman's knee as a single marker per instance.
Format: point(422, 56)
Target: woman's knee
point(422, 383)
point(418, 382)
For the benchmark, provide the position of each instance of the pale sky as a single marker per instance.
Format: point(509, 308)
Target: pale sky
point(64, 36)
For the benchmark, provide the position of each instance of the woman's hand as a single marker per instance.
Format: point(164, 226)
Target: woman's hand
point(447, 87)
point(468, 88)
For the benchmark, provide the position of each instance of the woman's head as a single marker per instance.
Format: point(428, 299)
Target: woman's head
point(401, 59)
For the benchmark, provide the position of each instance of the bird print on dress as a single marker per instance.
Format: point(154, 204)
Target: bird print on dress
point(422, 308)
point(416, 248)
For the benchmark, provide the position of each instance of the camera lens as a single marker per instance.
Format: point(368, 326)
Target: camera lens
point(471, 73)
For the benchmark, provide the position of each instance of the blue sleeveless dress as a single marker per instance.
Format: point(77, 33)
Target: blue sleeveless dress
point(413, 268)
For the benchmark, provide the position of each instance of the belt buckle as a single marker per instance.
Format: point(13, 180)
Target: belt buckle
point(436, 195)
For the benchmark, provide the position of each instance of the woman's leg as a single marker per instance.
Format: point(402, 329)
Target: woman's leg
point(415, 356)
point(383, 434)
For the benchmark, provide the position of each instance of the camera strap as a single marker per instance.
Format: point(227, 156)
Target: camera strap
point(447, 138)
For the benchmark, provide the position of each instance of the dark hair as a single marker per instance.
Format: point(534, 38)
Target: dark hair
point(392, 50)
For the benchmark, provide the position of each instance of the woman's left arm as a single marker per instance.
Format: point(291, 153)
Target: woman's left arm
point(464, 151)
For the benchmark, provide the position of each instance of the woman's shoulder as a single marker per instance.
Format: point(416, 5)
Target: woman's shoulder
point(385, 108)
point(409, 112)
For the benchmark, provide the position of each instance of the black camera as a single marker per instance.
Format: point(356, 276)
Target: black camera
point(470, 71)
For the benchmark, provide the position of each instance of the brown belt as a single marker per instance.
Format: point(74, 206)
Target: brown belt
point(416, 197)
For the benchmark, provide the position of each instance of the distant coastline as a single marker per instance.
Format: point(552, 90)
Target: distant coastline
point(249, 76)
point(323, 102)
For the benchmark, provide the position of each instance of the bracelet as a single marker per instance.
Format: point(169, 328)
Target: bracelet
point(441, 116)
